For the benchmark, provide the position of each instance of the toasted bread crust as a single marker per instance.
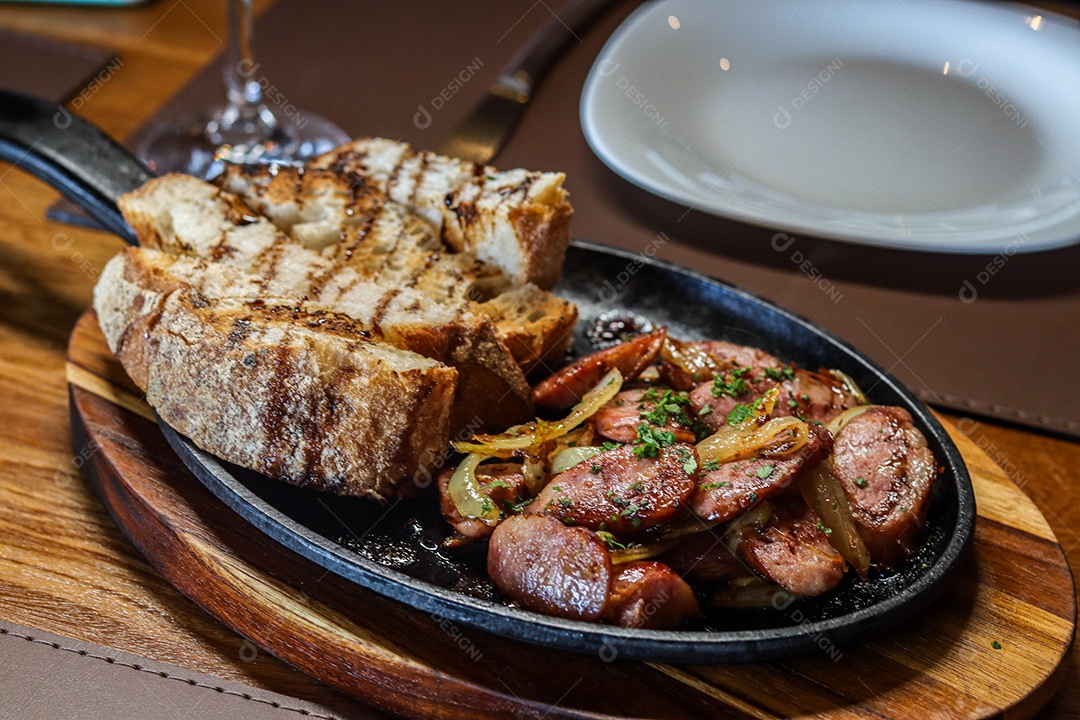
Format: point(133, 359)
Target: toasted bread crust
point(517, 220)
point(305, 399)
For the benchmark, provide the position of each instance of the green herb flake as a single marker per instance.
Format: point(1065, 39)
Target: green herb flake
point(739, 414)
point(711, 465)
point(608, 445)
point(753, 497)
point(786, 373)
point(705, 410)
point(822, 528)
point(715, 485)
point(860, 481)
point(765, 471)
point(689, 461)
point(651, 441)
point(498, 483)
point(610, 540)
point(996, 645)
point(637, 487)
point(595, 469)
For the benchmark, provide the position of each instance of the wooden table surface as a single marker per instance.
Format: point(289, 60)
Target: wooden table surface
point(64, 566)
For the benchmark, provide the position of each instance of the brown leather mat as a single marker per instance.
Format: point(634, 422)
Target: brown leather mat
point(411, 70)
point(53, 70)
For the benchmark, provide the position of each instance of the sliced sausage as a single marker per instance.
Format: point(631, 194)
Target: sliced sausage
point(545, 566)
point(504, 483)
point(793, 550)
point(735, 487)
point(621, 493)
point(728, 356)
point(619, 419)
point(566, 387)
point(813, 396)
point(650, 595)
point(721, 399)
point(886, 470)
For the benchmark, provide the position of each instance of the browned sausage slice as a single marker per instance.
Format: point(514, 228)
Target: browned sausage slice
point(720, 398)
point(704, 558)
point(813, 397)
point(793, 550)
point(650, 595)
point(621, 493)
point(545, 566)
point(735, 487)
point(504, 483)
point(566, 387)
point(619, 419)
point(886, 471)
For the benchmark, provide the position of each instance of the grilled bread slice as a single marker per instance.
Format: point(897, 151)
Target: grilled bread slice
point(382, 269)
point(516, 220)
point(309, 399)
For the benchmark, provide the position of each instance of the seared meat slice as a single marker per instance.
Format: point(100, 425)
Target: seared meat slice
point(650, 595)
point(886, 470)
point(621, 493)
point(619, 419)
point(504, 483)
point(705, 559)
point(721, 395)
point(813, 396)
point(733, 488)
point(566, 387)
point(545, 566)
point(793, 550)
point(727, 356)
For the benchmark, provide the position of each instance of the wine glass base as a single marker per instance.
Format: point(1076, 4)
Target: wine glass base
point(188, 144)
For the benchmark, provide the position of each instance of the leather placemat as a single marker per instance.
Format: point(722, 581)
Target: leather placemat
point(56, 71)
point(410, 71)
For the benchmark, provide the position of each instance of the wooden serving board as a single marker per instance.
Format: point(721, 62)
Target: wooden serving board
point(993, 646)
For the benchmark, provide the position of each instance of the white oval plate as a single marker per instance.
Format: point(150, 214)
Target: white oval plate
point(935, 125)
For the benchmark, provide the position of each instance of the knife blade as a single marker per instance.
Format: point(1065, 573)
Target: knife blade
point(487, 127)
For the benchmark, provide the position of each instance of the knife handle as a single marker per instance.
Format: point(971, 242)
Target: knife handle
point(78, 159)
point(533, 60)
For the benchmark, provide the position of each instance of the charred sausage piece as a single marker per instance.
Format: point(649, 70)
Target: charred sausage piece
point(566, 387)
point(793, 550)
point(813, 396)
point(619, 419)
point(886, 470)
point(504, 483)
point(650, 595)
point(621, 493)
point(705, 559)
point(712, 401)
point(545, 566)
point(735, 487)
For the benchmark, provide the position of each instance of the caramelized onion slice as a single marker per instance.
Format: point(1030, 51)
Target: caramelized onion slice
point(849, 384)
point(465, 491)
point(839, 422)
point(823, 493)
point(779, 437)
point(568, 458)
point(692, 360)
point(634, 553)
point(529, 438)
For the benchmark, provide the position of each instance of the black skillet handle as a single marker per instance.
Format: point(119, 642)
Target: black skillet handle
point(70, 154)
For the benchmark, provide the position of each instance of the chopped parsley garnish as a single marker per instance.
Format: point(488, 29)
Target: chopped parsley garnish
point(822, 528)
point(610, 541)
point(860, 481)
point(595, 469)
point(651, 395)
point(731, 384)
point(711, 465)
point(996, 645)
point(608, 445)
point(689, 462)
point(793, 403)
point(786, 373)
point(705, 410)
point(765, 471)
point(713, 486)
point(669, 406)
point(903, 509)
point(741, 413)
point(651, 440)
point(498, 483)
point(753, 497)
point(637, 487)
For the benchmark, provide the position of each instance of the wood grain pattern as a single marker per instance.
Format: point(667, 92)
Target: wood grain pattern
point(1015, 589)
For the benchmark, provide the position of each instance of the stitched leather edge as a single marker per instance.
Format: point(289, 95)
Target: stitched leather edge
point(1001, 410)
point(167, 676)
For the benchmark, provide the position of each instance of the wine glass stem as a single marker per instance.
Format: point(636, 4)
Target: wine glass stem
point(242, 81)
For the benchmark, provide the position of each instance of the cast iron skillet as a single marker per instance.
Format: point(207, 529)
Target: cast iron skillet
point(395, 550)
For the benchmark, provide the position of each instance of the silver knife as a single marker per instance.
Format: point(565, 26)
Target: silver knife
point(487, 127)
